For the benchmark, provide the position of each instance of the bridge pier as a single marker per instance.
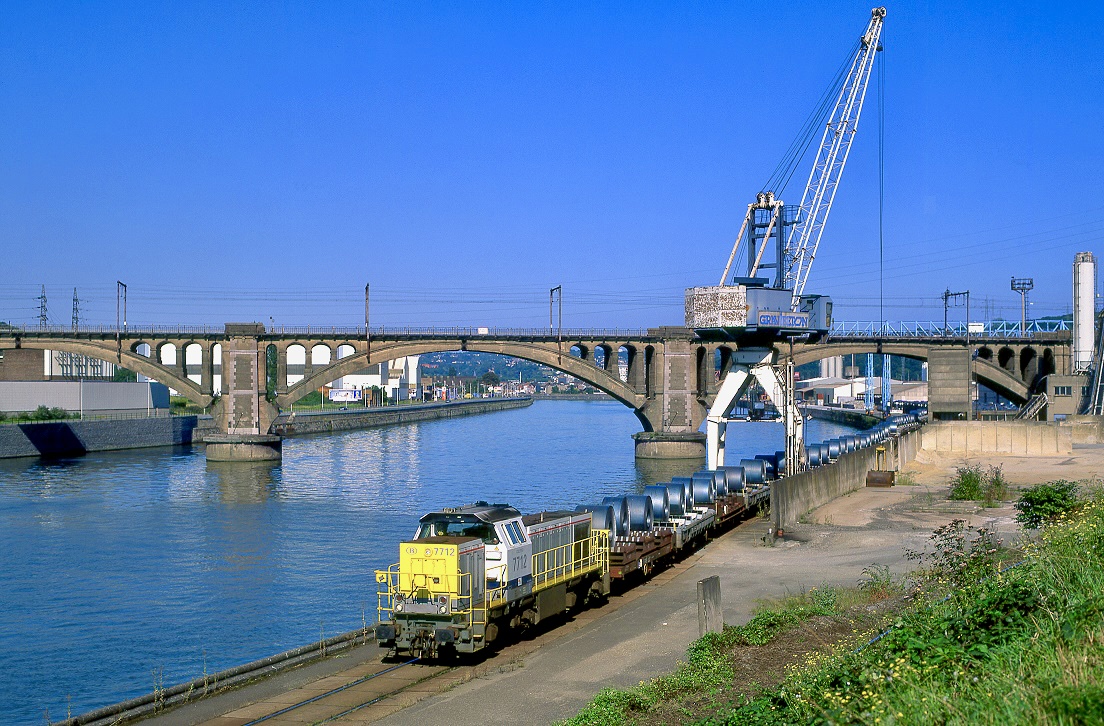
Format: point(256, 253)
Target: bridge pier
point(243, 412)
point(669, 445)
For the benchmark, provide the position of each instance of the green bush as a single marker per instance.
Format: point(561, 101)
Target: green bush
point(967, 483)
point(1041, 503)
point(971, 483)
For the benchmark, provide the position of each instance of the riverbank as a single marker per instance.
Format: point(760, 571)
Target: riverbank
point(67, 438)
point(326, 422)
point(52, 439)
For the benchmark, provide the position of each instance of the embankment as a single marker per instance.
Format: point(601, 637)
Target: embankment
point(848, 416)
point(73, 438)
point(299, 424)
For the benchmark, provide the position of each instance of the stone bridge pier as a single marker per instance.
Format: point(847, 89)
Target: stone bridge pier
point(243, 414)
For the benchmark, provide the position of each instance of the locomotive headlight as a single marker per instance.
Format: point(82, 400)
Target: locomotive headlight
point(443, 609)
point(398, 607)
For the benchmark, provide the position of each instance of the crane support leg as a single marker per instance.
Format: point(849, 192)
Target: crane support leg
point(757, 364)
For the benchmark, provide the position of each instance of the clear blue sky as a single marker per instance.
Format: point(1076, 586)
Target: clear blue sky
point(246, 161)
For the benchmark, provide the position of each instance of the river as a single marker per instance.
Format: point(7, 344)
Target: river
point(127, 571)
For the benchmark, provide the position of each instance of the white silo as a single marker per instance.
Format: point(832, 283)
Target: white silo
point(1084, 309)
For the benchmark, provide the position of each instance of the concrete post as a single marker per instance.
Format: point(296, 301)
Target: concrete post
point(710, 612)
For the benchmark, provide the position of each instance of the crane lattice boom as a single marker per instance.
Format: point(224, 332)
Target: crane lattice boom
point(816, 202)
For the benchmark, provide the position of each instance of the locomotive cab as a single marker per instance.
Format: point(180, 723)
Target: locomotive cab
point(508, 551)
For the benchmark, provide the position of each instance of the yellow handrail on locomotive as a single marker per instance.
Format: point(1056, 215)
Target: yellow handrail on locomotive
point(551, 567)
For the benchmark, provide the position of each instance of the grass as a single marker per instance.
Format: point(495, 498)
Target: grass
point(710, 669)
point(980, 640)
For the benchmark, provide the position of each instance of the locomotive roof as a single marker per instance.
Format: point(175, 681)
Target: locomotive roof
point(482, 511)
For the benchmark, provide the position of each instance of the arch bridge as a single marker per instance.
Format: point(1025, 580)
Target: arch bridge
point(669, 378)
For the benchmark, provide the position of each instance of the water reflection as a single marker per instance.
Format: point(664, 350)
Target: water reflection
point(244, 482)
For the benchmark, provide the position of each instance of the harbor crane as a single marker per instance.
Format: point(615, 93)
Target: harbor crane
point(754, 312)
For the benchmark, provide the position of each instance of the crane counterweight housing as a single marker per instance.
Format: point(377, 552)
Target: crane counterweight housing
point(750, 309)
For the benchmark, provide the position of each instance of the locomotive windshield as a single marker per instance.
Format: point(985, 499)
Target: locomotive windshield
point(459, 527)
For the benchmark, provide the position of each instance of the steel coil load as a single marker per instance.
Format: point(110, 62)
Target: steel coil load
point(601, 516)
point(848, 443)
point(687, 492)
point(661, 502)
point(703, 488)
point(734, 478)
point(641, 518)
point(720, 485)
point(755, 471)
point(676, 499)
point(833, 449)
point(771, 471)
point(825, 454)
point(812, 455)
point(780, 463)
point(620, 514)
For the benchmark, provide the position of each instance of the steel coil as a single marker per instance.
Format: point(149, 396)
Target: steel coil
point(687, 492)
point(720, 486)
point(703, 488)
point(641, 518)
point(755, 471)
point(661, 501)
point(601, 516)
point(825, 454)
point(779, 463)
point(812, 455)
point(771, 471)
point(676, 499)
point(833, 449)
point(734, 478)
point(620, 514)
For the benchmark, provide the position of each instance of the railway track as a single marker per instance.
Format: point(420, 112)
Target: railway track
point(369, 693)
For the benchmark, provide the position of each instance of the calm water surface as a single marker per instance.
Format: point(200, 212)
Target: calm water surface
point(128, 570)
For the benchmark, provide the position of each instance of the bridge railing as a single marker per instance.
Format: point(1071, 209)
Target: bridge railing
point(933, 329)
point(351, 332)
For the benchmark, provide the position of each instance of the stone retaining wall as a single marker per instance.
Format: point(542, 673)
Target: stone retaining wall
point(73, 438)
point(1018, 438)
point(298, 424)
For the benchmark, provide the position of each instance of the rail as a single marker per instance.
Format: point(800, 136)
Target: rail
point(930, 329)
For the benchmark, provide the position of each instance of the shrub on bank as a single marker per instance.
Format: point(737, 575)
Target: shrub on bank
point(1043, 502)
point(972, 483)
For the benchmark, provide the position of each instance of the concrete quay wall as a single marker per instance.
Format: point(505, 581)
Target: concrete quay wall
point(848, 416)
point(793, 496)
point(1018, 438)
point(73, 438)
point(299, 424)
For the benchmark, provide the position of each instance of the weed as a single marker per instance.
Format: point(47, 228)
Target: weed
point(877, 582)
point(763, 512)
point(971, 483)
point(906, 479)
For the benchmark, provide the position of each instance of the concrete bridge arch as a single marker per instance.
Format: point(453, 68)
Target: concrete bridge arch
point(605, 378)
point(994, 376)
